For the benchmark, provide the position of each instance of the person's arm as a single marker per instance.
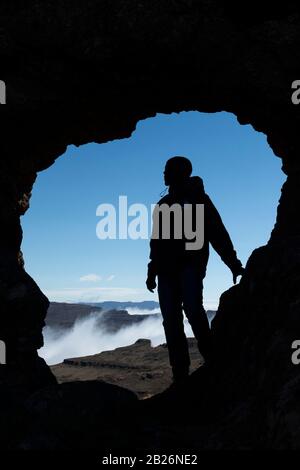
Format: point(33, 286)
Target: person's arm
point(220, 239)
point(152, 265)
point(154, 255)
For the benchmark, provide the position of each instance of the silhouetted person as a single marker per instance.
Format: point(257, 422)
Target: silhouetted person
point(180, 271)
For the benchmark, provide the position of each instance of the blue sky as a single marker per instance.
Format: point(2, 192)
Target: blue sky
point(61, 249)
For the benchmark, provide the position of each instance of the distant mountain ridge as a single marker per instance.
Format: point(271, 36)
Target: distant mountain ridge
point(62, 315)
point(111, 315)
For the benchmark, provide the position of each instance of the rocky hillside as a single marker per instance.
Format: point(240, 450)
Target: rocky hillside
point(140, 368)
point(64, 315)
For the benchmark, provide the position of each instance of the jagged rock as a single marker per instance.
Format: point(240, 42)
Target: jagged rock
point(89, 73)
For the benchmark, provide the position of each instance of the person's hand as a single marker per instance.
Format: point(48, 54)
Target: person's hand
point(237, 272)
point(151, 283)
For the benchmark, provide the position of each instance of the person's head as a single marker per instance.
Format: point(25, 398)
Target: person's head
point(177, 170)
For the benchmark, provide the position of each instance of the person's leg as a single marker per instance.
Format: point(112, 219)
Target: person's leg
point(170, 300)
point(192, 294)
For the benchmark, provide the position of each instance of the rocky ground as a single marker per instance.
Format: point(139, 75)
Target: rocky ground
point(139, 367)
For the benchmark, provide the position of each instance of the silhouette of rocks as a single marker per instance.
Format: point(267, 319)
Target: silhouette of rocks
point(89, 74)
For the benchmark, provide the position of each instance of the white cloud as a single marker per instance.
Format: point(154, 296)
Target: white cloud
point(89, 337)
point(144, 311)
point(90, 278)
point(111, 277)
point(98, 294)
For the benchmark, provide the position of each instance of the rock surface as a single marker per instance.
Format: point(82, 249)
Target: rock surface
point(141, 368)
point(62, 316)
point(79, 72)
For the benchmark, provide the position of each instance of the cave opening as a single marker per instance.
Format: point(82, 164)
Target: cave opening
point(71, 265)
point(89, 74)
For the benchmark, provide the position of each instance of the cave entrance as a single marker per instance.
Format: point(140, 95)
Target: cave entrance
point(70, 264)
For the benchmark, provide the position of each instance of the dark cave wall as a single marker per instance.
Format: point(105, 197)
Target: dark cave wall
point(79, 72)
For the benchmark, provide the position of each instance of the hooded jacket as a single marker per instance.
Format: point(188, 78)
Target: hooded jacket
point(169, 255)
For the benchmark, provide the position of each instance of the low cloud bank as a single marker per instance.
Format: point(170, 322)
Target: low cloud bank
point(89, 336)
